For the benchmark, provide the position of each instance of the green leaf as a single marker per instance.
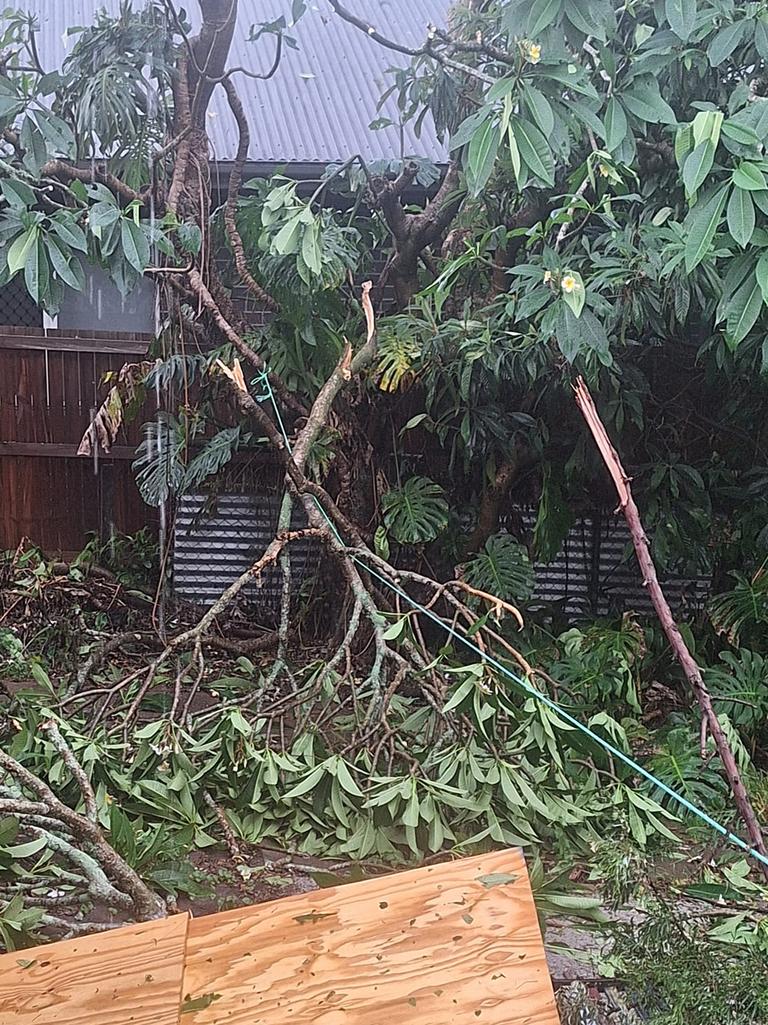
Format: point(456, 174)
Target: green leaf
point(394, 630)
point(743, 310)
point(542, 15)
point(192, 1004)
point(190, 237)
point(134, 243)
point(415, 513)
point(311, 252)
point(706, 126)
point(481, 155)
point(461, 692)
point(615, 124)
point(681, 15)
point(501, 567)
point(286, 241)
point(26, 850)
point(63, 264)
point(760, 197)
point(697, 166)
point(573, 296)
point(346, 780)
point(11, 102)
point(683, 143)
point(761, 273)
point(725, 42)
point(740, 133)
point(469, 126)
point(36, 273)
point(497, 879)
point(761, 37)
point(102, 215)
point(33, 143)
point(69, 231)
point(749, 176)
point(583, 334)
point(309, 782)
point(514, 153)
point(534, 149)
point(501, 89)
point(701, 224)
point(587, 116)
point(540, 109)
point(20, 249)
point(18, 194)
point(741, 216)
point(9, 829)
point(59, 138)
point(645, 101)
point(381, 542)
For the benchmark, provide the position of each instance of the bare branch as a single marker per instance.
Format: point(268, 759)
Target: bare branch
point(672, 631)
point(233, 191)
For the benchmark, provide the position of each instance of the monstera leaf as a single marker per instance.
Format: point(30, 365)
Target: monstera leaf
point(502, 567)
point(415, 513)
point(743, 609)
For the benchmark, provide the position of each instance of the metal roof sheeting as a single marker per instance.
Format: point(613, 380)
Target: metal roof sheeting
point(218, 539)
point(595, 572)
point(317, 107)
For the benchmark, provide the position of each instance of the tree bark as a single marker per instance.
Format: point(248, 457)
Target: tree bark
point(494, 496)
point(210, 50)
point(661, 605)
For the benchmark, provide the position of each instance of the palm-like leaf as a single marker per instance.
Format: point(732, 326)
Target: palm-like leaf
point(415, 513)
point(503, 568)
point(398, 353)
point(741, 690)
point(158, 462)
point(679, 765)
point(216, 453)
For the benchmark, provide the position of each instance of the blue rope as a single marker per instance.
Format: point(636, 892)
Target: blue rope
point(524, 685)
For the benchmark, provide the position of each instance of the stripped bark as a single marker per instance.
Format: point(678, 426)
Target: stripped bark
point(661, 605)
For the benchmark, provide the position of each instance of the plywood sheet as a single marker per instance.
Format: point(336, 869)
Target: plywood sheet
point(132, 975)
point(441, 945)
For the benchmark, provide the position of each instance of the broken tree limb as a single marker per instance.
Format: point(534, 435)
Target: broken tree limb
point(661, 605)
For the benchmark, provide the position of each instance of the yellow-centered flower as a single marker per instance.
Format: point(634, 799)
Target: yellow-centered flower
point(533, 52)
point(569, 283)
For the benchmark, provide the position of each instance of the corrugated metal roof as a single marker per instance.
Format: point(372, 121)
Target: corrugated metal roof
point(317, 107)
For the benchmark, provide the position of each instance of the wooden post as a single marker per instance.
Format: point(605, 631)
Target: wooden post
point(661, 605)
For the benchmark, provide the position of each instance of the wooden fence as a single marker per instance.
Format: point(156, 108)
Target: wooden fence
point(50, 383)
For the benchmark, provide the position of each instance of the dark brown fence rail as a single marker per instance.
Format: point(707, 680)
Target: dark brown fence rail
point(50, 383)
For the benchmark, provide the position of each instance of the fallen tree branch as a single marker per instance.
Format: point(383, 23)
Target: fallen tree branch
point(129, 891)
point(661, 605)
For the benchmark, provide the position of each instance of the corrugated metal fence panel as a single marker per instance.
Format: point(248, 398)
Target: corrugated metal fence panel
point(596, 573)
point(218, 538)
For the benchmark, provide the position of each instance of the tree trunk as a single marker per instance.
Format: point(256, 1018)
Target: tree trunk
point(494, 496)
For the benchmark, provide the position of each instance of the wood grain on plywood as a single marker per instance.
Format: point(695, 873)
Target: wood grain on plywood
point(131, 976)
point(441, 945)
